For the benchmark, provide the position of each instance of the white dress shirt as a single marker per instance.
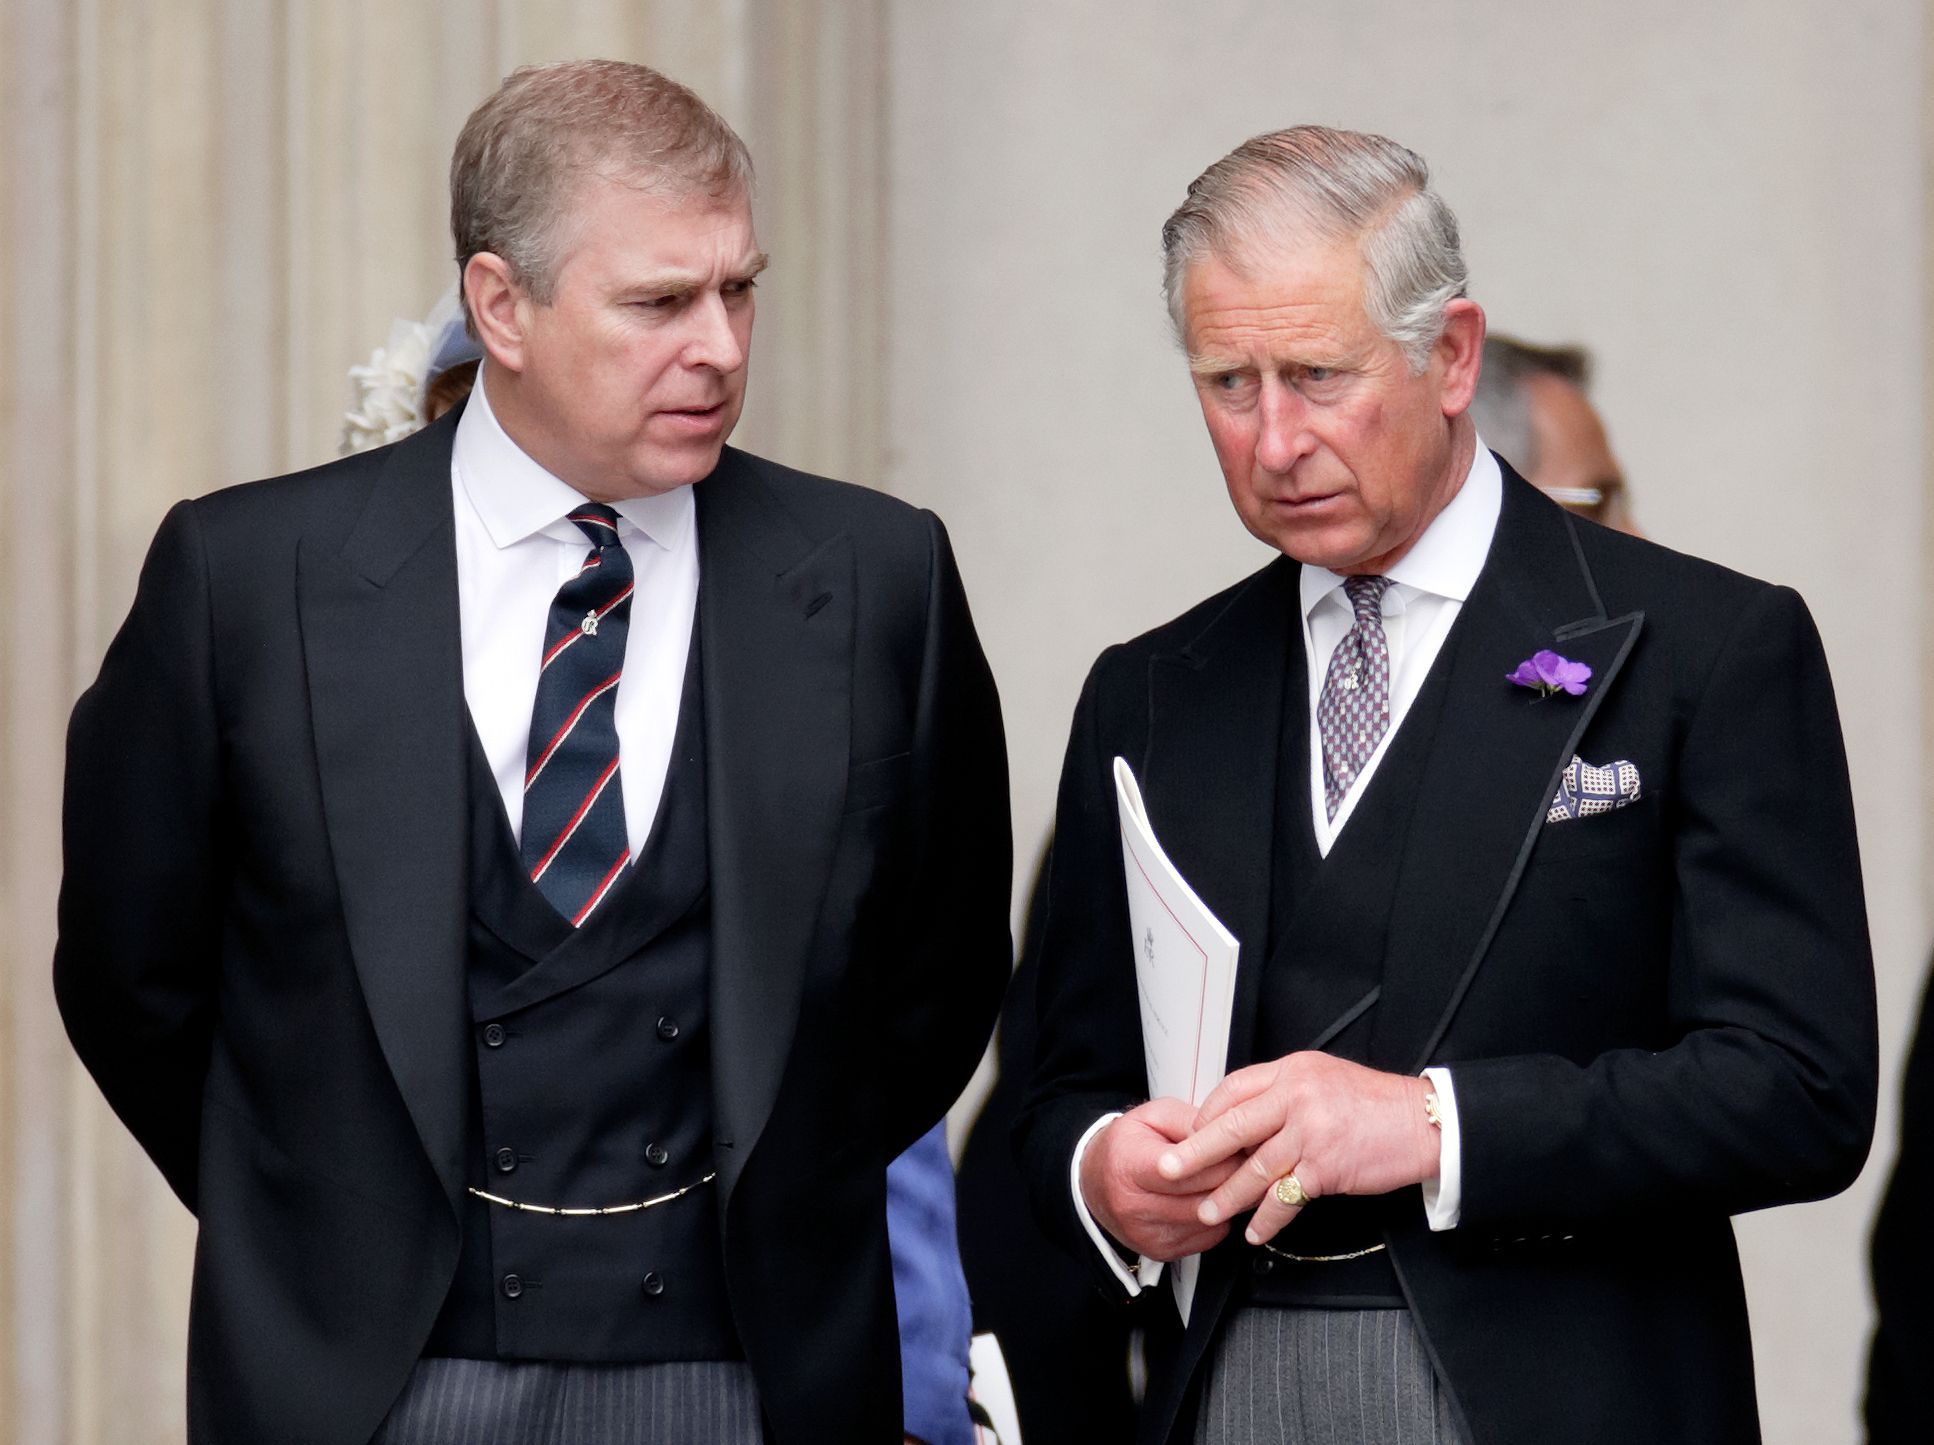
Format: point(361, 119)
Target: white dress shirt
point(1430, 584)
point(515, 548)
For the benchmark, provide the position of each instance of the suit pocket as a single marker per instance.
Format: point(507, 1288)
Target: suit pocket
point(1633, 828)
point(875, 784)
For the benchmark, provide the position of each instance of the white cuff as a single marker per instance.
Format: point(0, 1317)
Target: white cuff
point(1121, 1272)
point(1444, 1195)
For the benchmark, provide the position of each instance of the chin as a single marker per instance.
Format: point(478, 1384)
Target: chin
point(662, 473)
point(1317, 548)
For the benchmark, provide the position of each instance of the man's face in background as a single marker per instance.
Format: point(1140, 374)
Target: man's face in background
point(1575, 462)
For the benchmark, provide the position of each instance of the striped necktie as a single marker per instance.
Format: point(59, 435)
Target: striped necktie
point(574, 841)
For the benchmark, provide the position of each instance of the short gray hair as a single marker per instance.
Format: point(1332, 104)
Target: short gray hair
point(548, 127)
point(1340, 185)
point(1501, 406)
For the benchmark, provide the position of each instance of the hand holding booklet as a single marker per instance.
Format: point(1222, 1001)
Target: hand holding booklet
point(1185, 975)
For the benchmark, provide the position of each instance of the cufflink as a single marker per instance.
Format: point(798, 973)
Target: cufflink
point(1433, 1110)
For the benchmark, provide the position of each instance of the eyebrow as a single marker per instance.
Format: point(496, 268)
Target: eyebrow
point(684, 283)
point(1213, 365)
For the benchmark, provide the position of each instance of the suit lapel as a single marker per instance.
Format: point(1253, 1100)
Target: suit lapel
point(1209, 777)
point(1493, 765)
point(776, 616)
point(383, 651)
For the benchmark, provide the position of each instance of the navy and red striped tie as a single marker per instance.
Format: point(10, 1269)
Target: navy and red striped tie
point(574, 841)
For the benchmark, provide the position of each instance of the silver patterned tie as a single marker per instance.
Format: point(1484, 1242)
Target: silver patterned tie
point(1353, 710)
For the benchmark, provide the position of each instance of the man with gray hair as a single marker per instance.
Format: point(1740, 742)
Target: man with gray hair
point(501, 866)
point(1538, 846)
point(1530, 405)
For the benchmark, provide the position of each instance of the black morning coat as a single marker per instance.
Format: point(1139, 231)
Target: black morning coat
point(1654, 1018)
point(263, 919)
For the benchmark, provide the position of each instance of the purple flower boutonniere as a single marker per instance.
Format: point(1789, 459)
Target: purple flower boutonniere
point(1547, 672)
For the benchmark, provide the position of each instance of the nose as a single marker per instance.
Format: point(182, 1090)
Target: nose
point(1282, 437)
point(715, 341)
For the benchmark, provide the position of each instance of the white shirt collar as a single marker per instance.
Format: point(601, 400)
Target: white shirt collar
point(1446, 560)
point(516, 498)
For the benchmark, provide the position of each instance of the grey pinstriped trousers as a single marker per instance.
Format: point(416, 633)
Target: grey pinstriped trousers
point(1322, 1377)
point(499, 1402)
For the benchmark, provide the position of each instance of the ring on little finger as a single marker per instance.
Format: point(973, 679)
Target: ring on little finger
point(1290, 1192)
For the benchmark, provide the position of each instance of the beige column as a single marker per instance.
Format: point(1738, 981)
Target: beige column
point(212, 208)
point(815, 117)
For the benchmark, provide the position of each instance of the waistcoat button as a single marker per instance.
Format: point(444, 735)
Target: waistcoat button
point(654, 1284)
point(513, 1286)
point(494, 1036)
point(657, 1155)
point(506, 1160)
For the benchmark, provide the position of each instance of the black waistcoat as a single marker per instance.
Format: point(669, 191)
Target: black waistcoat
point(591, 1086)
point(1328, 921)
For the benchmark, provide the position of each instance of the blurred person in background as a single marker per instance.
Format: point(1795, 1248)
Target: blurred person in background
point(1531, 408)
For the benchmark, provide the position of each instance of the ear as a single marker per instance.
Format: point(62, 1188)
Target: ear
point(498, 308)
point(1459, 354)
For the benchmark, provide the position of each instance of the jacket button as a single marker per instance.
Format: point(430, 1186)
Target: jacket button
point(657, 1155)
point(654, 1284)
point(494, 1036)
point(668, 1029)
point(513, 1286)
point(506, 1160)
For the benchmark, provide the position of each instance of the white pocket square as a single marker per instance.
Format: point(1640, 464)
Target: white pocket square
point(1586, 789)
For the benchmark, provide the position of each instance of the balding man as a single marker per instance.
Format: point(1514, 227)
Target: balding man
point(503, 867)
point(1538, 845)
point(1530, 405)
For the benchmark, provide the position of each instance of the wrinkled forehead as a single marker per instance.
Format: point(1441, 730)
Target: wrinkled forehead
point(610, 217)
point(1293, 257)
point(1276, 273)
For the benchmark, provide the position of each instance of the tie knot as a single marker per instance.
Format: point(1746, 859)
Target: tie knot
point(1366, 597)
point(598, 522)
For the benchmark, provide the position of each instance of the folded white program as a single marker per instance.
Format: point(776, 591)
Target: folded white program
point(1185, 974)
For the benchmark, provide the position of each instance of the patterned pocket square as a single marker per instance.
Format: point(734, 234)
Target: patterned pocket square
point(1585, 790)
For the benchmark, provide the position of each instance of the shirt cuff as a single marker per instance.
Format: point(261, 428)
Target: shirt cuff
point(1444, 1195)
point(1113, 1260)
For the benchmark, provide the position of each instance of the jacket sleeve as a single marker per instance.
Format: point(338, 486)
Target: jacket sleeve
point(957, 953)
point(1088, 1058)
point(1764, 1089)
point(1902, 1257)
point(136, 962)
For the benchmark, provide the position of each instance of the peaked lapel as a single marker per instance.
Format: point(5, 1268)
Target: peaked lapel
point(1209, 775)
point(383, 651)
point(1493, 765)
point(776, 616)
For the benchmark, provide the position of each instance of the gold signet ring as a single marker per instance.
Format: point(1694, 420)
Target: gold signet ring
point(1289, 1191)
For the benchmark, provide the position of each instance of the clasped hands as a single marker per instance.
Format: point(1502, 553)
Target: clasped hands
point(1165, 1178)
